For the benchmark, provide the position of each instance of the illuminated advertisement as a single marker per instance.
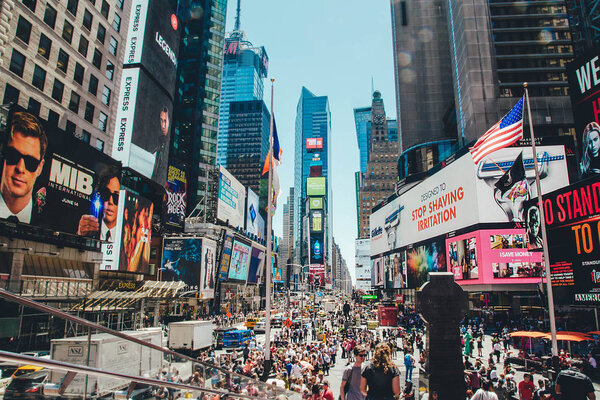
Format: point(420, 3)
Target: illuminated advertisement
point(316, 218)
point(257, 264)
point(111, 233)
point(231, 199)
point(252, 207)
point(240, 261)
point(182, 261)
point(174, 204)
point(314, 143)
point(141, 138)
point(316, 249)
point(277, 271)
point(225, 258)
point(315, 186)
point(315, 203)
point(462, 258)
point(207, 275)
point(423, 259)
point(378, 272)
point(317, 275)
point(61, 183)
point(136, 234)
point(572, 225)
point(395, 270)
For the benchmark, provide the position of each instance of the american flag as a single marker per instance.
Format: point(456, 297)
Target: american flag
point(504, 133)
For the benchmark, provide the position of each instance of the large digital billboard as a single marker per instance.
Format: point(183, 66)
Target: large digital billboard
point(317, 275)
point(315, 203)
point(424, 258)
point(395, 270)
point(316, 221)
point(252, 214)
point(225, 258)
point(315, 186)
point(136, 234)
point(240, 261)
point(232, 199)
point(208, 271)
point(52, 179)
point(316, 249)
point(175, 198)
point(257, 264)
point(142, 130)
point(313, 144)
point(182, 261)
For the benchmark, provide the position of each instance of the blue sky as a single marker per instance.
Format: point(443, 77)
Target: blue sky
point(334, 48)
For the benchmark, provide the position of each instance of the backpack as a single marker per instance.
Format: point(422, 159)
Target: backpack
point(408, 361)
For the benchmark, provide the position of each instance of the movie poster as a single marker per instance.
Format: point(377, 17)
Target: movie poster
point(175, 199)
point(136, 232)
point(181, 261)
point(208, 272)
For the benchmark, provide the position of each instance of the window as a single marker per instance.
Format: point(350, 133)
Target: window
point(106, 96)
point(102, 121)
point(30, 4)
point(113, 46)
point(83, 46)
point(39, 78)
point(70, 127)
point(88, 18)
point(67, 32)
point(72, 6)
point(120, 4)
point(34, 106)
point(11, 94)
point(85, 136)
point(45, 46)
point(89, 112)
point(93, 86)
point(100, 144)
point(62, 63)
point(97, 59)
point(23, 29)
point(110, 70)
point(74, 102)
point(57, 90)
point(50, 16)
point(17, 63)
point(53, 118)
point(105, 9)
point(117, 22)
point(78, 75)
point(101, 34)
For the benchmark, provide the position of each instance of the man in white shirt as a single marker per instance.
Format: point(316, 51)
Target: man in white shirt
point(23, 157)
point(108, 188)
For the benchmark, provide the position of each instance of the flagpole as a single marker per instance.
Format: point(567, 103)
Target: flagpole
point(544, 236)
point(267, 349)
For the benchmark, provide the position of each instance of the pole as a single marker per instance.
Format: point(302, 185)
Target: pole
point(267, 349)
point(544, 235)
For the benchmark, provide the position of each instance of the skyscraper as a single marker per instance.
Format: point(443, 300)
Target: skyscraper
point(584, 21)
point(312, 179)
point(195, 122)
point(362, 121)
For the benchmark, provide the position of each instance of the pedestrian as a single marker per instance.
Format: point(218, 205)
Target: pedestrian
point(327, 392)
point(526, 388)
point(486, 392)
point(409, 392)
point(497, 349)
point(380, 378)
point(573, 384)
point(351, 377)
point(409, 363)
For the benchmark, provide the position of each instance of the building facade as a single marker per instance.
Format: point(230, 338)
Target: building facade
point(63, 60)
point(362, 267)
point(584, 22)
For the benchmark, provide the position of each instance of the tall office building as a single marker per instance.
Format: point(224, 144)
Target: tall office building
point(584, 21)
point(312, 213)
point(244, 68)
point(362, 122)
point(63, 61)
point(195, 122)
point(287, 244)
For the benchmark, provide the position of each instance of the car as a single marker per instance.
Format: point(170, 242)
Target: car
point(277, 321)
point(259, 327)
point(26, 369)
point(237, 338)
point(27, 386)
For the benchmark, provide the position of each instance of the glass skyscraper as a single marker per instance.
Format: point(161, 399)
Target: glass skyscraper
point(362, 121)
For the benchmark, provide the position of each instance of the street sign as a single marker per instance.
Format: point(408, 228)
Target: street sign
point(287, 323)
point(369, 297)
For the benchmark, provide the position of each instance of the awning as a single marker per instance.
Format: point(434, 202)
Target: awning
point(527, 334)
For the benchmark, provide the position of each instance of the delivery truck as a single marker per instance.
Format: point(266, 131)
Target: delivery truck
point(109, 353)
point(190, 336)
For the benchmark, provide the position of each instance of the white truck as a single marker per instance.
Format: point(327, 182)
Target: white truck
point(328, 306)
point(190, 336)
point(109, 353)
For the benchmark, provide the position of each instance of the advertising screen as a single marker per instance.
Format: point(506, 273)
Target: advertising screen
point(257, 264)
point(175, 203)
point(316, 224)
point(135, 237)
point(153, 40)
point(232, 199)
point(314, 143)
point(572, 225)
point(395, 270)
point(315, 203)
point(207, 277)
point(315, 186)
point(225, 258)
point(240, 261)
point(462, 258)
point(69, 187)
point(182, 261)
point(317, 275)
point(378, 278)
point(316, 249)
point(423, 259)
point(144, 114)
point(111, 232)
point(252, 214)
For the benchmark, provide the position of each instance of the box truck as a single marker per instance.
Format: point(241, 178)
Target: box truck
point(190, 336)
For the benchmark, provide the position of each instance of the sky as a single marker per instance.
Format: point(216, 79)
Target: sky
point(334, 48)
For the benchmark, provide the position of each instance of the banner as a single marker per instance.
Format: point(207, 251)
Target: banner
point(257, 264)
point(181, 261)
point(207, 277)
point(175, 199)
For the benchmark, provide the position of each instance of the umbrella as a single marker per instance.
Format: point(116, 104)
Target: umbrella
point(569, 336)
point(527, 334)
point(306, 364)
point(594, 333)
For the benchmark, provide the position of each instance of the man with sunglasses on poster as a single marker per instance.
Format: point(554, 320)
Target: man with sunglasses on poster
point(108, 188)
point(23, 157)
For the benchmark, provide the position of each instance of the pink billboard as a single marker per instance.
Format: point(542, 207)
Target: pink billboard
point(493, 256)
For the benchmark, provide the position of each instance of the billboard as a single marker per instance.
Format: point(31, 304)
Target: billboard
point(136, 234)
point(424, 258)
point(153, 40)
point(225, 258)
point(182, 261)
point(463, 194)
point(232, 199)
point(395, 271)
point(316, 249)
point(144, 114)
point(110, 232)
point(240, 261)
point(257, 264)
point(572, 224)
point(315, 186)
point(175, 203)
point(317, 275)
point(207, 276)
point(68, 187)
point(314, 143)
point(315, 203)
point(252, 214)
point(377, 278)
point(316, 221)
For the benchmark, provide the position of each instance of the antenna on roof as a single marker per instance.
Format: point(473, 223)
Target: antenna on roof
point(237, 16)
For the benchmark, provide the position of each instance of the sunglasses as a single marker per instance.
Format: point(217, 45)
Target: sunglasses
point(363, 355)
point(12, 157)
point(106, 194)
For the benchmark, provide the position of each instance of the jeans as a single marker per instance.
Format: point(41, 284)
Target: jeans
point(409, 371)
